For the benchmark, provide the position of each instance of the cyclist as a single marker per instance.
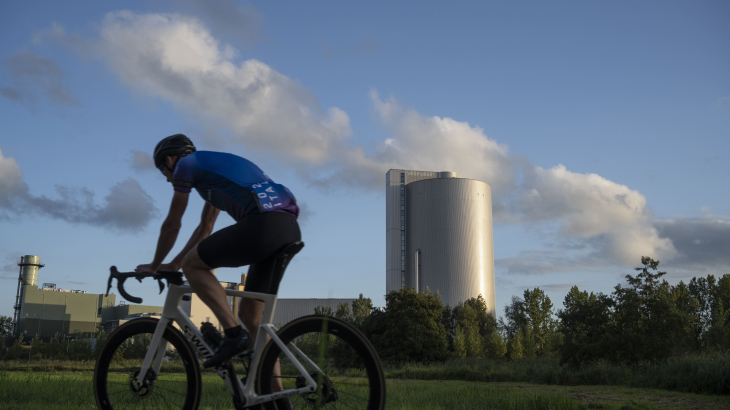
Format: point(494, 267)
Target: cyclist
point(266, 221)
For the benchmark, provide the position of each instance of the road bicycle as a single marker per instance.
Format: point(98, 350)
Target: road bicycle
point(153, 363)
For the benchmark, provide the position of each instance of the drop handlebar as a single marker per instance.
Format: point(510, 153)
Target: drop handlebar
point(171, 277)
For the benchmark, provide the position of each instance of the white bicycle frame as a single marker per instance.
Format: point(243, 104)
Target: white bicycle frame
point(172, 312)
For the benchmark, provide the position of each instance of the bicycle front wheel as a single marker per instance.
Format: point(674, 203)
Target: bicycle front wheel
point(177, 386)
point(350, 376)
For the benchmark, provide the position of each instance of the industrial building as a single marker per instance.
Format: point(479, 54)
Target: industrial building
point(286, 309)
point(439, 235)
point(48, 310)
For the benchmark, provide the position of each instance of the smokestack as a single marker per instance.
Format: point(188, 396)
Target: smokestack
point(29, 265)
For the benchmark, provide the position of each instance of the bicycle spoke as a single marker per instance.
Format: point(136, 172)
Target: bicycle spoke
point(166, 402)
point(121, 360)
point(129, 399)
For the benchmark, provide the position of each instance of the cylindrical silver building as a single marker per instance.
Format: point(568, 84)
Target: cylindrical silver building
point(448, 238)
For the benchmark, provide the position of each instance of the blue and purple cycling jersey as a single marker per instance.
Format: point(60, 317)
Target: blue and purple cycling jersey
point(232, 184)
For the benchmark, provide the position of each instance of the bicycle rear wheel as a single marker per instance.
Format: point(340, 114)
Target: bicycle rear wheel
point(352, 375)
point(177, 386)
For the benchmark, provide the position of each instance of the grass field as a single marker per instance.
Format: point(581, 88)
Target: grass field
point(73, 390)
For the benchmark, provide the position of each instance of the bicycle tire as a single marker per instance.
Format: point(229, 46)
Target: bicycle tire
point(177, 394)
point(347, 349)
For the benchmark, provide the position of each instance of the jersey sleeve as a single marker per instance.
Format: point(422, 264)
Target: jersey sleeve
point(183, 177)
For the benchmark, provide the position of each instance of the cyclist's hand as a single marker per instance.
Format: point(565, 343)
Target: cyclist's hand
point(147, 268)
point(169, 267)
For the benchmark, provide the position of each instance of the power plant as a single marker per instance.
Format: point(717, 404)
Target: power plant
point(48, 310)
point(439, 235)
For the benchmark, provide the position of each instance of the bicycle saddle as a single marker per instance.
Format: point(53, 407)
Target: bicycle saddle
point(287, 253)
point(281, 262)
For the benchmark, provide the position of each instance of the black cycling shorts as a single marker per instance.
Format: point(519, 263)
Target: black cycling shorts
point(256, 240)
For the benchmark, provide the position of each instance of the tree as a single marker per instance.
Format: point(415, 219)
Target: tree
point(6, 326)
point(323, 310)
point(343, 312)
point(539, 309)
point(514, 317)
point(468, 341)
point(514, 347)
point(361, 309)
point(649, 324)
point(482, 319)
point(717, 336)
point(494, 346)
point(409, 329)
point(16, 350)
point(586, 323)
point(6, 332)
point(532, 317)
point(648, 320)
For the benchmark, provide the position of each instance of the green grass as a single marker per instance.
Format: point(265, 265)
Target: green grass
point(705, 374)
point(73, 390)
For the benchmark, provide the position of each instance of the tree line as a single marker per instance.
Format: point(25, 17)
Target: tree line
point(645, 320)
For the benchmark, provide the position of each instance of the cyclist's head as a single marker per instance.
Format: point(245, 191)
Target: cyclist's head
point(173, 145)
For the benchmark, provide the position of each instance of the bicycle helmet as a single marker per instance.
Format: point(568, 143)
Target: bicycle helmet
point(173, 145)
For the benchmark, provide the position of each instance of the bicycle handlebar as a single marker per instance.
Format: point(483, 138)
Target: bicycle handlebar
point(171, 277)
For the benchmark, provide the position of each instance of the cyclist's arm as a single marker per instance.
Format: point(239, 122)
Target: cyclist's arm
point(170, 228)
point(204, 229)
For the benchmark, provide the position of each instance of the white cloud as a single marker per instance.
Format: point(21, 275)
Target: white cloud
point(12, 186)
point(441, 144)
point(177, 59)
point(127, 207)
point(590, 206)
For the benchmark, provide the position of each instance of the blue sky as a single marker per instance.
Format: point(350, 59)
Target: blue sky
point(603, 129)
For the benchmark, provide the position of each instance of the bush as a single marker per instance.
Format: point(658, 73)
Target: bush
point(695, 373)
point(408, 330)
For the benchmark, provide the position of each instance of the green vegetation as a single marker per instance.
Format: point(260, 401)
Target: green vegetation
point(47, 391)
point(647, 322)
point(598, 352)
point(703, 374)
point(409, 329)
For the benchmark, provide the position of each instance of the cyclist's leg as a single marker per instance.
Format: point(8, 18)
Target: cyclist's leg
point(251, 241)
point(207, 287)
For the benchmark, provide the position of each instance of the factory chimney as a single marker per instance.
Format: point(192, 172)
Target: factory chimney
point(28, 276)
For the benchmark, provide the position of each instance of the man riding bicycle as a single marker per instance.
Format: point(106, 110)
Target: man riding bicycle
point(266, 221)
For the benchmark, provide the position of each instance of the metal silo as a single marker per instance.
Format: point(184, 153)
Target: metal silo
point(449, 245)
